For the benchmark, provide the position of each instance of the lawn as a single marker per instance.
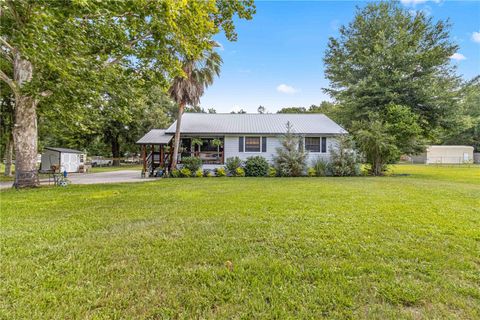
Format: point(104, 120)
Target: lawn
point(404, 246)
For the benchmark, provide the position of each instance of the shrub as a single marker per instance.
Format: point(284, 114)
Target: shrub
point(311, 172)
point(199, 173)
point(239, 172)
point(343, 160)
point(232, 163)
point(256, 166)
point(185, 173)
point(321, 167)
point(207, 173)
point(221, 172)
point(192, 163)
point(291, 157)
point(272, 172)
point(175, 173)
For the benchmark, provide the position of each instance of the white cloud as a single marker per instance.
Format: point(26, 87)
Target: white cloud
point(476, 37)
point(413, 3)
point(284, 88)
point(458, 56)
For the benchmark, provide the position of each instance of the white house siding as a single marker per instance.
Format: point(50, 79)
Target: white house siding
point(273, 142)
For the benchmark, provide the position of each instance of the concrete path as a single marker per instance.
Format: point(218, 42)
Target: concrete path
point(96, 178)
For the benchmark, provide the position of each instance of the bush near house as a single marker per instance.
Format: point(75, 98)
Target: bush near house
point(321, 167)
point(239, 172)
point(185, 173)
point(192, 163)
point(232, 163)
point(256, 166)
point(220, 172)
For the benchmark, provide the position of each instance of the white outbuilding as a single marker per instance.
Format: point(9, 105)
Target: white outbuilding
point(445, 155)
point(63, 159)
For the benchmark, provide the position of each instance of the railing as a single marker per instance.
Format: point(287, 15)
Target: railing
point(209, 157)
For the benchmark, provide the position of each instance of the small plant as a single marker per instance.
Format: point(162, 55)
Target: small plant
point(232, 164)
point(175, 173)
point(322, 167)
point(217, 143)
point(272, 172)
point(207, 173)
point(311, 172)
point(199, 173)
point(256, 166)
point(197, 142)
point(185, 173)
point(192, 163)
point(291, 158)
point(221, 172)
point(239, 172)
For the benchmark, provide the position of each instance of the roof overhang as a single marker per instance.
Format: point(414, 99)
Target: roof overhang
point(155, 136)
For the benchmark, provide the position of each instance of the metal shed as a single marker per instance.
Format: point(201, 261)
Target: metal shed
point(64, 159)
point(445, 155)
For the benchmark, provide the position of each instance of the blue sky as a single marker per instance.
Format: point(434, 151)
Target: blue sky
point(277, 60)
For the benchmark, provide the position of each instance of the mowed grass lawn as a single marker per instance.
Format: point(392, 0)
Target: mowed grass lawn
point(384, 248)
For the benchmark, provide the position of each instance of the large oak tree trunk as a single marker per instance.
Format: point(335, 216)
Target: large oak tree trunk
point(115, 151)
point(176, 142)
point(8, 156)
point(25, 127)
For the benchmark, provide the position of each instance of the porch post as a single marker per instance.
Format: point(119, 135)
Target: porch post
point(161, 155)
point(144, 157)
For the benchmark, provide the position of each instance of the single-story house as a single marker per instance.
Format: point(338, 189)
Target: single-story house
point(238, 135)
point(445, 155)
point(63, 159)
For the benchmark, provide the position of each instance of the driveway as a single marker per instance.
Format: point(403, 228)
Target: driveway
point(96, 178)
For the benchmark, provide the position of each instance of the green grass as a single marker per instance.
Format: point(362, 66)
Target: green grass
point(122, 167)
point(6, 178)
point(378, 248)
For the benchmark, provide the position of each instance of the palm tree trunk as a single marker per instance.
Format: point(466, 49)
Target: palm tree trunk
point(176, 142)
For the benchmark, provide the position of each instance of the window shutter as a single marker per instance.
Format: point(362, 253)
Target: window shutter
point(264, 144)
point(240, 144)
point(324, 145)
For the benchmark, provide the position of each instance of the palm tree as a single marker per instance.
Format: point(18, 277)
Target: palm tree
point(187, 89)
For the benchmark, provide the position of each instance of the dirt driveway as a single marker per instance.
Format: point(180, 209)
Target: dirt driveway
point(96, 178)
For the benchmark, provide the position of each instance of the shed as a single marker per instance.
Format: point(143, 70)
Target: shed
point(69, 160)
point(445, 155)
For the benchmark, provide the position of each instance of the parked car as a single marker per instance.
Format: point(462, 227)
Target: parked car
point(101, 162)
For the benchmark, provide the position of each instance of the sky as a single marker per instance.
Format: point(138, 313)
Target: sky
point(277, 60)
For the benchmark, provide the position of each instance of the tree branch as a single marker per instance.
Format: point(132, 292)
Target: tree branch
point(12, 84)
point(129, 45)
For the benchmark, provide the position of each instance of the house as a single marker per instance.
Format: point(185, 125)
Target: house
point(445, 155)
point(62, 159)
point(238, 135)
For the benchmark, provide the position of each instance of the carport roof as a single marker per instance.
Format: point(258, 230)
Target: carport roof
point(155, 136)
point(63, 150)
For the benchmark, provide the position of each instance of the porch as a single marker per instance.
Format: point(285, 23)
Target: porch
point(157, 147)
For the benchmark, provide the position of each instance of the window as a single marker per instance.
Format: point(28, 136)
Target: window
point(252, 144)
point(312, 144)
point(324, 145)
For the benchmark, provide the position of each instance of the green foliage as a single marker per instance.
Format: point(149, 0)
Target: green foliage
point(175, 173)
point(239, 172)
point(343, 160)
point(321, 167)
point(220, 172)
point(290, 160)
point(389, 56)
point(192, 163)
point(256, 166)
point(232, 163)
point(377, 145)
point(311, 172)
point(208, 173)
point(217, 142)
point(185, 173)
point(199, 173)
point(272, 172)
point(466, 127)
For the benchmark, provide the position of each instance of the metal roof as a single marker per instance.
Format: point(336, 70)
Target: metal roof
point(247, 123)
point(155, 136)
point(63, 150)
